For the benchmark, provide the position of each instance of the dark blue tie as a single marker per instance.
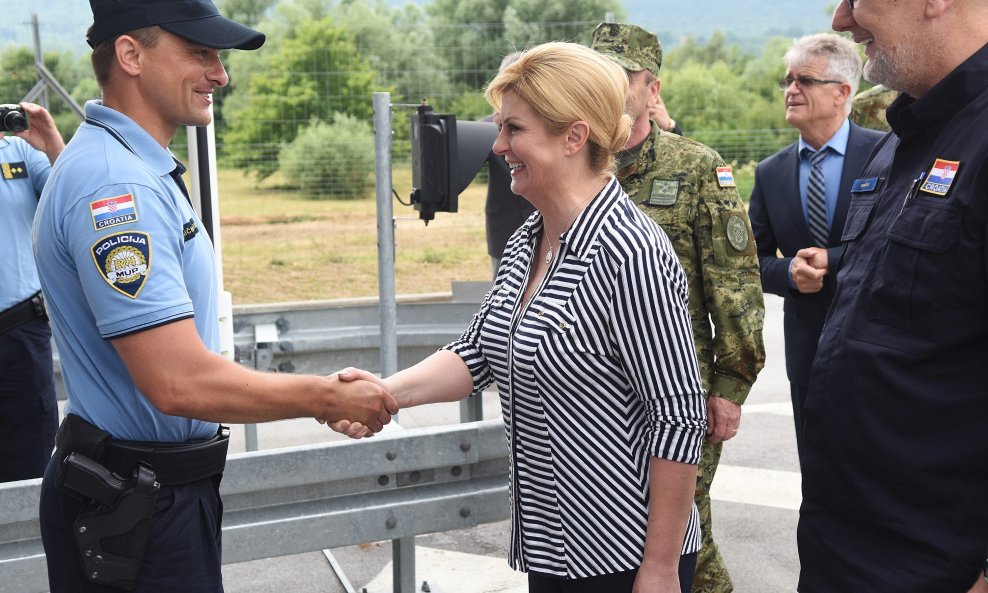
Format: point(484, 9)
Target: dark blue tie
point(816, 198)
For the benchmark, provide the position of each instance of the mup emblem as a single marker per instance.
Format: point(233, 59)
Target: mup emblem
point(124, 260)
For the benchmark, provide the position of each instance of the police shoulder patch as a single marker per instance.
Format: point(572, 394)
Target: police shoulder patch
point(107, 212)
point(664, 192)
point(124, 260)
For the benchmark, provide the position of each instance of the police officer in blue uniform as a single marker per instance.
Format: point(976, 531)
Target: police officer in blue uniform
point(28, 411)
point(131, 497)
point(895, 483)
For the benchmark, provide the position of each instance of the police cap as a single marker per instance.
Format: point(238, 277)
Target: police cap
point(199, 21)
point(630, 46)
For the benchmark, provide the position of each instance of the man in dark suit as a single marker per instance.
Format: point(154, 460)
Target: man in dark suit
point(801, 195)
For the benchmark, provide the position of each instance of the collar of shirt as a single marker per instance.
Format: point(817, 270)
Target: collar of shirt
point(582, 234)
point(909, 117)
point(132, 136)
point(837, 142)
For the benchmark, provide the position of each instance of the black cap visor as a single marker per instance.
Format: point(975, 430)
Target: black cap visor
point(217, 32)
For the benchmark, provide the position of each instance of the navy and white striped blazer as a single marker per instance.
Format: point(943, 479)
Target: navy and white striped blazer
point(596, 375)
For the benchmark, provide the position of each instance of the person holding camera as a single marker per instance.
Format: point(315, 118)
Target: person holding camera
point(28, 411)
point(130, 500)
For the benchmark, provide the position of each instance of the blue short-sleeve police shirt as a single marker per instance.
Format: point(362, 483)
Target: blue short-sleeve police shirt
point(120, 250)
point(23, 171)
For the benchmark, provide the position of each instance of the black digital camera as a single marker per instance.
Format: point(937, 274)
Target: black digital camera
point(12, 118)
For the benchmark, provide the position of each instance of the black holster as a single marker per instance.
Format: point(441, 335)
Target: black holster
point(112, 536)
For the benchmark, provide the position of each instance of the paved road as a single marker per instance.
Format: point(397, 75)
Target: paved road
point(756, 497)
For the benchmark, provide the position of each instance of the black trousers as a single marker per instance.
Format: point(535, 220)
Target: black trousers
point(28, 410)
point(184, 550)
point(618, 582)
point(798, 395)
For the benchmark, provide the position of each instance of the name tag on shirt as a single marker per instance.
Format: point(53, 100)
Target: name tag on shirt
point(863, 186)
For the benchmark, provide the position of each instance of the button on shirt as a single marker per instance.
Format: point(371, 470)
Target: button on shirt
point(23, 171)
point(120, 250)
point(833, 167)
point(597, 375)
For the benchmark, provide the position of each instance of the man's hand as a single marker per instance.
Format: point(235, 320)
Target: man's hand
point(42, 133)
point(349, 427)
point(723, 419)
point(808, 269)
point(362, 401)
point(660, 115)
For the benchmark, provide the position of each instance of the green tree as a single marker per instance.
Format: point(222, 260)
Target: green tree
point(479, 33)
point(331, 160)
point(311, 74)
point(20, 76)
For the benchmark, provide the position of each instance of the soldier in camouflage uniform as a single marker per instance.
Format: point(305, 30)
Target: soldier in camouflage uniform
point(868, 107)
point(688, 189)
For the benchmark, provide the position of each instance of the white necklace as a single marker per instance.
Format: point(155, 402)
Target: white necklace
point(545, 228)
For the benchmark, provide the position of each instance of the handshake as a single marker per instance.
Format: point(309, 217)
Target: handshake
point(362, 406)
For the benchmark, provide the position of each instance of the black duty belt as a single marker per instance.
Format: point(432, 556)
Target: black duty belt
point(173, 463)
point(29, 309)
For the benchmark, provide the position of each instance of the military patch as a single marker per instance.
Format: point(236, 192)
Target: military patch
point(725, 177)
point(124, 260)
point(665, 192)
point(109, 212)
point(14, 170)
point(738, 235)
point(190, 229)
point(940, 177)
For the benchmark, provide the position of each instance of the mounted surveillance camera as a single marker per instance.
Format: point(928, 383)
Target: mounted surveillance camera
point(446, 156)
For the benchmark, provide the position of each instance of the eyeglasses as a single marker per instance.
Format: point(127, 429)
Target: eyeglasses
point(803, 82)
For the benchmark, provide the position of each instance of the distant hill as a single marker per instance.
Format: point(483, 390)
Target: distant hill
point(745, 22)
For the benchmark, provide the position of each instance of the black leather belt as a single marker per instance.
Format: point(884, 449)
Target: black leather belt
point(29, 309)
point(173, 463)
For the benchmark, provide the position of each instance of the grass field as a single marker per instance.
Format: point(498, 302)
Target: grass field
point(287, 246)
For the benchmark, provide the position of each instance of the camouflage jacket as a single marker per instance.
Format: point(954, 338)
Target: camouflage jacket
point(676, 182)
point(868, 107)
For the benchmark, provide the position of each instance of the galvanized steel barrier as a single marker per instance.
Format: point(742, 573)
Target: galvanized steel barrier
point(286, 501)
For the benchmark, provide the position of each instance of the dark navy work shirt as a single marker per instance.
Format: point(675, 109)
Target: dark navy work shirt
point(895, 480)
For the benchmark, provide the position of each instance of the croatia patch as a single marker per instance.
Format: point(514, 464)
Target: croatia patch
point(109, 212)
point(124, 261)
point(725, 177)
point(940, 177)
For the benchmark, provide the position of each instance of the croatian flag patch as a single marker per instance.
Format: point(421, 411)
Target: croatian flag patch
point(940, 177)
point(725, 178)
point(109, 212)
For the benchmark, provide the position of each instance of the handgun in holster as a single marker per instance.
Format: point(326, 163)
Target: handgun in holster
point(110, 538)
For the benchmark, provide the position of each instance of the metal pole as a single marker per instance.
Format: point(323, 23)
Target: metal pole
point(402, 550)
point(38, 56)
point(385, 234)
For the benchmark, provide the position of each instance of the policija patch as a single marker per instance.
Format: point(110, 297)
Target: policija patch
point(124, 260)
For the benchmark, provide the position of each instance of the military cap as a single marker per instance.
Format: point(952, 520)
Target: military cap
point(199, 21)
point(629, 46)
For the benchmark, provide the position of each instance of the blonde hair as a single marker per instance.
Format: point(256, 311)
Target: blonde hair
point(565, 83)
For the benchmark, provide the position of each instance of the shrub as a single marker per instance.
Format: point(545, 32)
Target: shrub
point(331, 160)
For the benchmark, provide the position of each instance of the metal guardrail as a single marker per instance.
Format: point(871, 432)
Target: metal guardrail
point(277, 502)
